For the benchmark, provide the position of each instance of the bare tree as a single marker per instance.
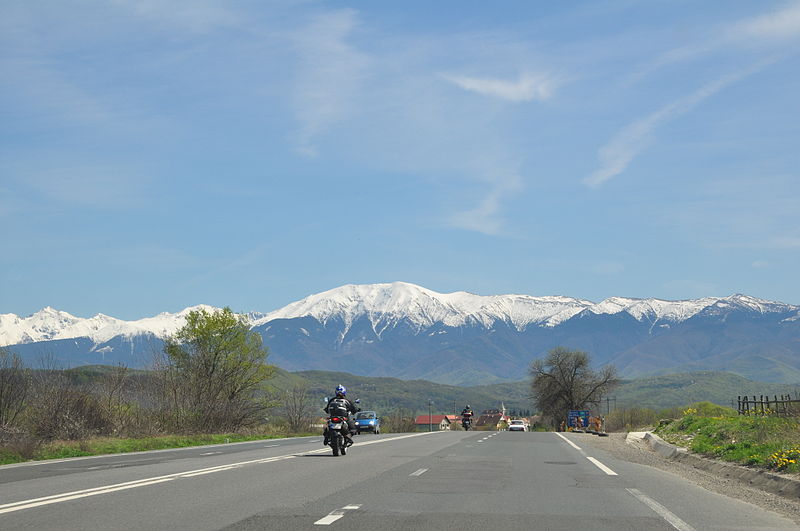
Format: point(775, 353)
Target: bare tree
point(564, 380)
point(399, 421)
point(296, 406)
point(14, 387)
point(60, 410)
point(111, 389)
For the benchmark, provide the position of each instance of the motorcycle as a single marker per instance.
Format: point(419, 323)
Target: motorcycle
point(337, 441)
point(337, 426)
point(466, 422)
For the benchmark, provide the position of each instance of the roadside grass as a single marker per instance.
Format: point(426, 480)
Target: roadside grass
point(111, 445)
point(760, 441)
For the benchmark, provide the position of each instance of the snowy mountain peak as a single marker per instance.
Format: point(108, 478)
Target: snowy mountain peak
point(385, 304)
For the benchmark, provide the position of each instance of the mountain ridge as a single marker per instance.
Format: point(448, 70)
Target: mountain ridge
point(403, 330)
point(385, 304)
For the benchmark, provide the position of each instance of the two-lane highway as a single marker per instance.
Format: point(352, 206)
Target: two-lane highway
point(442, 480)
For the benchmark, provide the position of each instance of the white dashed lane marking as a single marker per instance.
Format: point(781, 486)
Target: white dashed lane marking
point(601, 466)
point(335, 515)
point(592, 460)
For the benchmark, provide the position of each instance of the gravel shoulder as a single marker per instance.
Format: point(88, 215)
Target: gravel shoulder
point(638, 451)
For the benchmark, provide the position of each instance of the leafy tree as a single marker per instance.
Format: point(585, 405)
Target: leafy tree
point(214, 367)
point(564, 380)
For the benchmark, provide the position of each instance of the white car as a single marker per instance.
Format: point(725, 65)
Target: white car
point(518, 425)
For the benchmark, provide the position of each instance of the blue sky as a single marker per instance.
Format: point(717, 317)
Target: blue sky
point(157, 155)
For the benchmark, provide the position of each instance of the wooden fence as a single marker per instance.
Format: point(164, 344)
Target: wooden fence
point(784, 406)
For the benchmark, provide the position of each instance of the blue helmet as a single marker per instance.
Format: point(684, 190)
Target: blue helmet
point(341, 389)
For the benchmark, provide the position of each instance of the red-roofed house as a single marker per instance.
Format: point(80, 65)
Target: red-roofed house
point(492, 419)
point(434, 422)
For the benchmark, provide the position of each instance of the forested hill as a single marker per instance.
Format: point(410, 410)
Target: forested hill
point(389, 394)
point(654, 392)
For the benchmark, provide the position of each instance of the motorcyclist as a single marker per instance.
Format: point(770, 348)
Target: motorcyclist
point(466, 415)
point(341, 406)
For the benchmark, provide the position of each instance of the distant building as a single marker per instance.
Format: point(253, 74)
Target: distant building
point(492, 419)
point(434, 422)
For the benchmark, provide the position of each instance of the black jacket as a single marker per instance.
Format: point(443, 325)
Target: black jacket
point(340, 406)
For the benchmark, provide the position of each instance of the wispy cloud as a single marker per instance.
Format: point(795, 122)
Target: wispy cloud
point(486, 216)
point(770, 29)
point(329, 74)
point(618, 153)
point(777, 25)
point(527, 88)
point(396, 115)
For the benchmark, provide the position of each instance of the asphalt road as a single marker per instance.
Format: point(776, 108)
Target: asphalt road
point(443, 480)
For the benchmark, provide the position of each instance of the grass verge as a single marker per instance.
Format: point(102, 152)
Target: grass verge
point(760, 441)
point(110, 445)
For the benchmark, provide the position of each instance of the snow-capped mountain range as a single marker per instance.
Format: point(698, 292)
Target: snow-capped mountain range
point(386, 304)
point(385, 328)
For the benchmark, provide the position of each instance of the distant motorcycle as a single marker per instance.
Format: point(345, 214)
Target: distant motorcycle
point(466, 422)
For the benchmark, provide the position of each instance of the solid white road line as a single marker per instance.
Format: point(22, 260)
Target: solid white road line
point(601, 466)
point(67, 496)
point(419, 472)
point(662, 511)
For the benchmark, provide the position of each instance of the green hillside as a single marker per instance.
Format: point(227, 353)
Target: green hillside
point(657, 392)
point(672, 390)
point(389, 394)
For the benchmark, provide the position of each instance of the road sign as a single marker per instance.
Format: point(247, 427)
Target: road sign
point(574, 415)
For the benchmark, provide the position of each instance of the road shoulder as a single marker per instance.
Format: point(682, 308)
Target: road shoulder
point(731, 480)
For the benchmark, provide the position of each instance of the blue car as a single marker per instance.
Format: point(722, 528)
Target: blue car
point(368, 421)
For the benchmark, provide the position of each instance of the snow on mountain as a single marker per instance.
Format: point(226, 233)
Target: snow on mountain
point(50, 324)
point(385, 305)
